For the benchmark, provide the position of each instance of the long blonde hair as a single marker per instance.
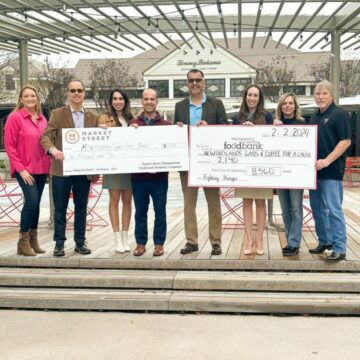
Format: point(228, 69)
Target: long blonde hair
point(19, 105)
point(297, 113)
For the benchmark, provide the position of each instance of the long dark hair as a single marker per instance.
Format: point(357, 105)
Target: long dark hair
point(126, 112)
point(259, 116)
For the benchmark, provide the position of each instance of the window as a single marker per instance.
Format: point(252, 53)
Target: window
point(161, 86)
point(9, 82)
point(180, 88)
point(89, 94)
point(215, 87)
point(297, 90)
point(134, 93)
point(237, 87)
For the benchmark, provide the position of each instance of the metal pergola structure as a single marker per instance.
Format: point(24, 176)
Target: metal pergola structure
point(64, 26)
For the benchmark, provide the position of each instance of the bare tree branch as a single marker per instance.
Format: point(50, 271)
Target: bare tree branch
point(349, 75)
point(274, 77)
point(51, 83)
point(108, 76)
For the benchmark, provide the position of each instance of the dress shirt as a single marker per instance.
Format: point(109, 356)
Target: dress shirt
point(196, 111)
point(78, 117)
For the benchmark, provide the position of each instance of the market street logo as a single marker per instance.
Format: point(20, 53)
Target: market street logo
point(72, 137)
point(95, 134)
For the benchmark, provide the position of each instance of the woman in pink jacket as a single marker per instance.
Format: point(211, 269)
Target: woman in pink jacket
point(28, 163)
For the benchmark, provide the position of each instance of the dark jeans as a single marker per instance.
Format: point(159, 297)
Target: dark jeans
point(32, 194)
point(62, 186)
point(142, 190)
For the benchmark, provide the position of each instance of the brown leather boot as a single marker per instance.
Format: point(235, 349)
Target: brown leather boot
point(24, 247)
point(34, 243)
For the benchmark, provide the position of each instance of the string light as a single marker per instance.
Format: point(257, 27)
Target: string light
point(157, 25)
point(301, 37)
point(149, 23)
point(220, 10)
point(197, 26)
point(182, 18)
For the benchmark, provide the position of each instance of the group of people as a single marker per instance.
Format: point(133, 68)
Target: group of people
point(34, 147)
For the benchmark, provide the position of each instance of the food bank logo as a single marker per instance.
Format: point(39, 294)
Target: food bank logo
point(72, 137)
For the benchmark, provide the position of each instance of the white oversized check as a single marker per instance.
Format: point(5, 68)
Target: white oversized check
point(125, 150)
point(253, 156)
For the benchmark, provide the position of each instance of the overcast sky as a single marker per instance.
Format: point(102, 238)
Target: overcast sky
point(248, 9)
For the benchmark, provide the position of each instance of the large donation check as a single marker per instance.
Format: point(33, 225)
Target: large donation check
point(119, 150)
point(253, 156)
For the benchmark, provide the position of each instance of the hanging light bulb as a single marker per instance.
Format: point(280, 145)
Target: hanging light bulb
point(234, 29)
point(182, 18)
point(157, 25)
point(301, 37)
point(197, 26)
point(220, 10)
point(261, 4)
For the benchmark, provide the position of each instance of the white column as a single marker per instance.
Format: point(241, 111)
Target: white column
point(227, 88)
point(171, 88)
point(335, 66)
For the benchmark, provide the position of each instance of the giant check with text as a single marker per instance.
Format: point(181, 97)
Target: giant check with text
point(125, 150)
point(253, 156)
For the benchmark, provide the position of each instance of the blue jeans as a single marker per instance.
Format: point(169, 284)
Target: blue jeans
point(62, 186)
point(326, 205)
point(292, 214)
point(32, 193)
point(142, 191)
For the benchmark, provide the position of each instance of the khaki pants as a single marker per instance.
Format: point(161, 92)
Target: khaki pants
point(214, 211)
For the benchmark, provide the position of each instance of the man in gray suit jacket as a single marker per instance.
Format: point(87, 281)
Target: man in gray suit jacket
point(199, 110)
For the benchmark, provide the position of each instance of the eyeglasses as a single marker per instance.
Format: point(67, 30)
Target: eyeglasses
point(79, 91)
point(197, 81)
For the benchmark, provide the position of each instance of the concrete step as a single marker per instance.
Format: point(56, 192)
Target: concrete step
point(181, 280)
point(184, 301)
point(265, 264)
